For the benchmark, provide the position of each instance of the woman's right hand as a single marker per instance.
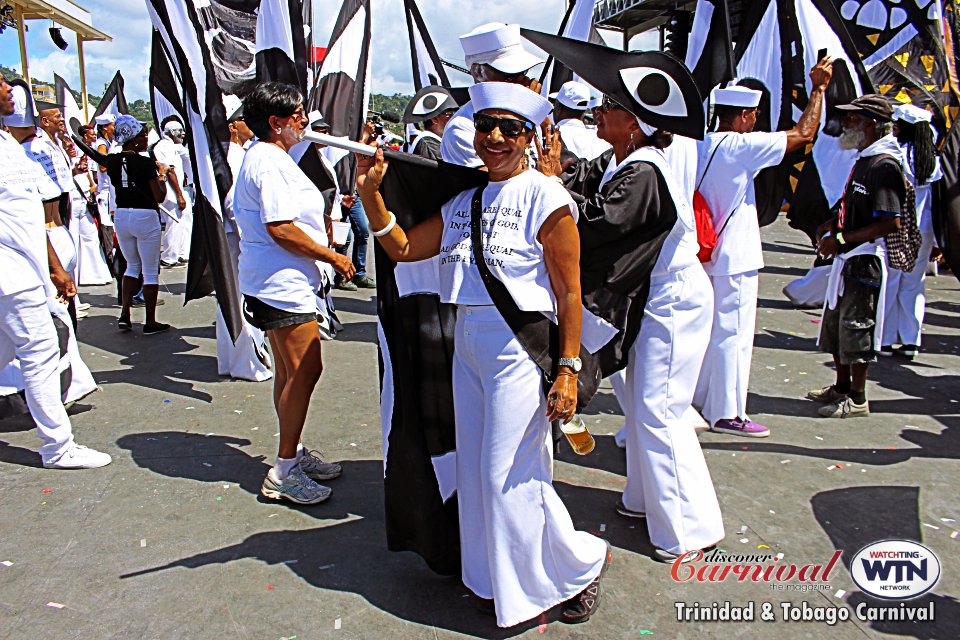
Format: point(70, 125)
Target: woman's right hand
point(343, 265)
point(370, 172)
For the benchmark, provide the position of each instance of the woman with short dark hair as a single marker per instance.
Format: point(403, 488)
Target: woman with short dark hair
point(284, 259)
point(138, 188)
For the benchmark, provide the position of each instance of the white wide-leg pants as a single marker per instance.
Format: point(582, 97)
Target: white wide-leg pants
point(91, 264)
point(518, 544)
point(247, 359)
point(667, 475)
point(27, 330)
point(906, 300)
point(721, 391)
point(177, 235)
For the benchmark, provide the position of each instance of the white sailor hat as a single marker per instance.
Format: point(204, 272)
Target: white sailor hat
point(233, 106)
point(173, 124)
point(23, 111)
point(737, 96)
point(574, 95)
point(510, 97)
point(911, 113)
point(499, 46)
point(104, 119)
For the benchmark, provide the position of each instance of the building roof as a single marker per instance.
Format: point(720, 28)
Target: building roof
point(64, 13)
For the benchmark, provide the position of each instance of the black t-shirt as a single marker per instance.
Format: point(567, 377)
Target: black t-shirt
point(875, 188)
point(130, 174)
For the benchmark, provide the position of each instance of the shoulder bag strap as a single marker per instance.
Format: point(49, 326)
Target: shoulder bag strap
point(710, 161)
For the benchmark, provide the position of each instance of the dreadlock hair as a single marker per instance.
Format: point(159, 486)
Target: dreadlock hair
point(921, 153)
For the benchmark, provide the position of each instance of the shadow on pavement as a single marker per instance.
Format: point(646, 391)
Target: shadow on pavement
point(858, 516)
point(349, 553)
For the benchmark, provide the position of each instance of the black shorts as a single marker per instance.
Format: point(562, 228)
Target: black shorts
point(267, 317)
point(847, 332)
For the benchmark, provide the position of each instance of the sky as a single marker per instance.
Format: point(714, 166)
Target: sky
point(129, 25)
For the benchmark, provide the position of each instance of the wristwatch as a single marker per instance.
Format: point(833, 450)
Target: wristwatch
point(574, 363)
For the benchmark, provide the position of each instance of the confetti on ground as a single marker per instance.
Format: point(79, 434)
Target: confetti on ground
point(932, 526)
point(743, 529)
point(762, 546)
point(187, 408)
point(255, 429)
point(7, 563)
point(818, 437)
point(176, 373)
point(43, 504)
point(331, 566)
point(834, 466)
point(226, 486)
point(947, 520)
point(219, 498)
point(815, 320)
point(744, 540)
point(143, 542)
point(646, 632)
point(773, 512)
point(803, 373)
point(237, 411)
point(840, 593)
point(45, 490)
point(206, 464)
point(784, 462)
point(542, 628)
point(270, 587)
point(290, 561)
point(166, 402)
point(955, 535)
point(353, 444)
point(863, 470)
point(55, 605)
point(603, 528)
point(337, 623)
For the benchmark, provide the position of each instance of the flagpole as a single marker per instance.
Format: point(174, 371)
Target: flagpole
point(21, 29)
point(83, 79)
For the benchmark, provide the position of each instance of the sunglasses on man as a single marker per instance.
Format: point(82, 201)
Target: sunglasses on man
point(509, 127)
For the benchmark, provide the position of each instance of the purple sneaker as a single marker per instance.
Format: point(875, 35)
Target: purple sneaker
point(740, 427)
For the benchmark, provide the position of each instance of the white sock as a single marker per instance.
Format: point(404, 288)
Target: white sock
point(300, 451)
point(284, 466)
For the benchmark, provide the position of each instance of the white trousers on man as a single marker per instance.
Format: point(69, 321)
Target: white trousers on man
point(176, 235)
point(247, 358)
point(91, 264)
point(518, 543)
point(667, 475)
point(906, 299)
point(721, 392)
point(27, 330)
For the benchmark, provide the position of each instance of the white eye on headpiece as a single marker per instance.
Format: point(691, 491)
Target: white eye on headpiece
point(429, 103)
point(655, 91)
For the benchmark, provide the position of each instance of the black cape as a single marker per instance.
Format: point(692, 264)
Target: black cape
point(622, 229)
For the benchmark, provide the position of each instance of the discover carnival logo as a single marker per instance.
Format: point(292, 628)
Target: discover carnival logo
point(895, 569)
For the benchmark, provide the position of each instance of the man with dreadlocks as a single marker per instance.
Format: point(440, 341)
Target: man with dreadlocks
point(905, 299)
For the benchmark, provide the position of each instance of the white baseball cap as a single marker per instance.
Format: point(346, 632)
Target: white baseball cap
point(574, 95)
point(498, 45)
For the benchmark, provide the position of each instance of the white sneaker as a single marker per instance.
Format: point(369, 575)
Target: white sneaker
point(83, 306)
point(82, 314)
point(79, 457)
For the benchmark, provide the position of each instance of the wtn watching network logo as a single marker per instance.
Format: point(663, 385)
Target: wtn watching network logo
point(895, 569)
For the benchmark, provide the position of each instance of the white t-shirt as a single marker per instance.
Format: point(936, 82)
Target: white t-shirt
point(580, 140)
point(456, 146)
point(513, 212)
point(728, 184)
point(23, 239)
point(165, 151)
point(272, 188)
point(50, 156)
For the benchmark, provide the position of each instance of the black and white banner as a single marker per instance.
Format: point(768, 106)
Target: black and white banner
point(182, 38)
point(71, 110)
point(113, 100)
point(165, 91)
point(577, 23)
point(281, 51)
point(427, 67)
point(710, 46)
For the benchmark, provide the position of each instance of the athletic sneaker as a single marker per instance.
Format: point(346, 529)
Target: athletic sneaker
point(886, 350)
point(580, 607)
point(629, 513)
point(167, 265)
point(740, 427)
point(296, 487)
point(908, 351)
point(845, 408)
point(82, 314)
point(317, 469)
point(83, 306)
point(345, 285)
point(827, 395)
point(79, 457)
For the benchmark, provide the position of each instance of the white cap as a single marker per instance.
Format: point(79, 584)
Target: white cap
point(510, 97)
point(595, 102)
point(498, 45)
point(737, 96)
point(22, 115)
point(574, 95)
point(104, 119)
point(911, 113)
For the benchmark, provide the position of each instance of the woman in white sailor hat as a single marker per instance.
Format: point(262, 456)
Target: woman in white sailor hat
point(905, 290)
point(518, 544)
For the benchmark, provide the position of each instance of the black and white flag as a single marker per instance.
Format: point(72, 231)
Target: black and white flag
point(710, 46)
point(342, 84)
point(113, 100)
point(165, 91)
point(577, 24)
point(71, 110)
point(281, 44)
point(182, 37)
point(427, 67)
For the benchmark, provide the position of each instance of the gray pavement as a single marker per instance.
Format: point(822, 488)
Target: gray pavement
point(172, 540)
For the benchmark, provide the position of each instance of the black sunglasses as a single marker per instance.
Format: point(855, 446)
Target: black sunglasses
point(608, 105)
point(509, 127)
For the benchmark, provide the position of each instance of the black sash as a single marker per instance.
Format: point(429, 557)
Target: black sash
point(535, 332)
